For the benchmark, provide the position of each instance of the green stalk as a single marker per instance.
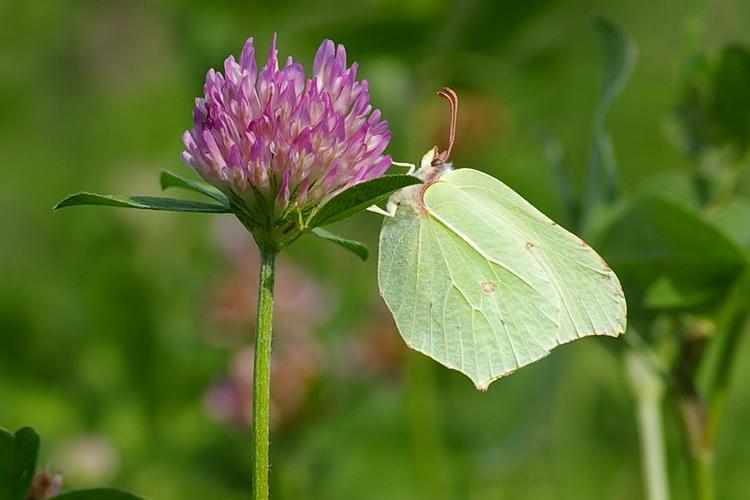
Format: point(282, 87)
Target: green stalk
point(699, 444)
point(703, 476)
point(262, 374)
point(652, 449)
point(648, 389)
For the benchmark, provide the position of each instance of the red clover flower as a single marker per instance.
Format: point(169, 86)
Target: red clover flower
point(276, 143)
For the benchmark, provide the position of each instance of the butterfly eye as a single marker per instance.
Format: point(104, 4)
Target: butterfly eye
point(449, 95)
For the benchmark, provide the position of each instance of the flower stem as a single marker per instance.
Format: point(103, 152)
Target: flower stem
point(262, 374)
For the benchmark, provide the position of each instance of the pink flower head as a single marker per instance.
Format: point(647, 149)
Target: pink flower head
point(272, 138)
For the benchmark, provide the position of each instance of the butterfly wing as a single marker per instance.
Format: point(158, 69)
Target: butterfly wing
point(484, 283)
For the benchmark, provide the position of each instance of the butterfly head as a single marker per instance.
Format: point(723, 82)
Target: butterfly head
point(434, 164)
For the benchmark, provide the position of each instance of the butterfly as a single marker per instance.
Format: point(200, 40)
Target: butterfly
point(480, 280)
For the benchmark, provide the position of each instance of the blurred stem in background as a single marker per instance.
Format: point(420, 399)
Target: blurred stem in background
point(647, 383)
point(694, 410)
point(262, 374)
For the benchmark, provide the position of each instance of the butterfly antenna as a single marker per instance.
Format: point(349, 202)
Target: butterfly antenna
point(450, 95)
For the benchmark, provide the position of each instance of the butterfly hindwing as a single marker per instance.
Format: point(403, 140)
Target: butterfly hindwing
point(484, 283)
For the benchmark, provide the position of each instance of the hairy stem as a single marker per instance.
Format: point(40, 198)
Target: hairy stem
point(262, 374)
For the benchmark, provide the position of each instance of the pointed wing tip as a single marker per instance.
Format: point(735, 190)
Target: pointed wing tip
point(613, 335)
point(484, 384)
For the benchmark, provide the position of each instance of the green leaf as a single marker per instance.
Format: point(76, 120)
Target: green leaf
point(484, 283)
point(655, 237)
point(732, 218)
point(168, 179)
point(359, 197)
point(18, 453)
point(618, 60)
point(357, 248)
point(677, 185)
point(98, 494)
point(666, 294)
point(141, 202)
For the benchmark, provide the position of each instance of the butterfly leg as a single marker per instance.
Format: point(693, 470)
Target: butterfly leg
point(392, 205)
point(411, 166)
point(390, 209)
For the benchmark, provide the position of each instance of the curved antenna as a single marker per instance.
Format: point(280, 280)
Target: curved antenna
point(450, 95)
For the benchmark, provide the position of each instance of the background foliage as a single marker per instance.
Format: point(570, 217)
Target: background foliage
point(124, 335)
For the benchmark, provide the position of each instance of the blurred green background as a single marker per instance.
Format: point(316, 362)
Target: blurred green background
point(124, 334)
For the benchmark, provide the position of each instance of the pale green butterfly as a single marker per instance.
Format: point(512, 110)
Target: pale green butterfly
point(480, 280)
